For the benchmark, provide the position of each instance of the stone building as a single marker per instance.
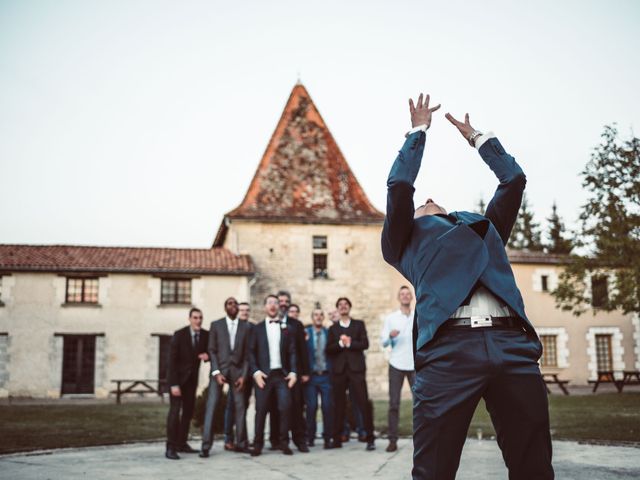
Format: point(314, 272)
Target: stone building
point(74, 318)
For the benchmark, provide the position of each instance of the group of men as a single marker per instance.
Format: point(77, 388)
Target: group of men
point(287, 366)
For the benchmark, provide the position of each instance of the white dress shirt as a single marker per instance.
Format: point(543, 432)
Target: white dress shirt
point(274, 331)
point(344, 325)
point(232, 327)
point(401, 345)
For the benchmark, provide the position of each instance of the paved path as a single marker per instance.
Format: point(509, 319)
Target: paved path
point(480, 460)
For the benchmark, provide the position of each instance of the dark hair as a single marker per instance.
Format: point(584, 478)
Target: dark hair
point(345, 299)
point(271, 295)
point(245, 303)
point(404, 287)
point(230, 298)
point(285, 293)
point(194, 309)
point(294, 305)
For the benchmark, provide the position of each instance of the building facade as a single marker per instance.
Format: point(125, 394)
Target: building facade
point(74, 318)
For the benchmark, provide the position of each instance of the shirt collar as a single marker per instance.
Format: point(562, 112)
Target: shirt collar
point(343, 325)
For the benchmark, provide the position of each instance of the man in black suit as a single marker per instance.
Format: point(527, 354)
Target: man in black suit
point(272, 362)
point(188, 347)
point(346, 345)
point(229, 355)
point(298, 424)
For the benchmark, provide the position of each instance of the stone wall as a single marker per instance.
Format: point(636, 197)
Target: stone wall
point(283, 255)
point(126, 318)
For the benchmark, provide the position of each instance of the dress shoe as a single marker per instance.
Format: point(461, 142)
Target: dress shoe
point(186, 448)
point(392, 447)
point(256, 452)
point(302, 448)
point(344, 438)
point(327, 445)
point(311, 443)
point(239, 449)
point(371, 446)
point(229, 447)
point(362, 438)
point(171, 454)
point(204, 454)
point(336, 444)
point(287, 451)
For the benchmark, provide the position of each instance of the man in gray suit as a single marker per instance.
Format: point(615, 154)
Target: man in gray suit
point(228, 350)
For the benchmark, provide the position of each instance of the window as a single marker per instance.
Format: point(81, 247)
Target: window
point(176, 291)
point(319, 241)
point(320, 265)
point(599, 291)
point(82, 290)
point(549, 351)
point(544, 279)
point(603, 353)
point(320, 257)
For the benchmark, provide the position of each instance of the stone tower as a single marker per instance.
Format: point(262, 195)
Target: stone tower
point(310, 229)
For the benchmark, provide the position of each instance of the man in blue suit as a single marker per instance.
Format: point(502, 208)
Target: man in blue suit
point(320, 380)
point(472, 338)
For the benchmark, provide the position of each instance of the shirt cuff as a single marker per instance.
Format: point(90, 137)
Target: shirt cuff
point(340, 343)
point(419, 128)
point(295, 375)
point(483, 138)
point(258, 372)
point(215, 372)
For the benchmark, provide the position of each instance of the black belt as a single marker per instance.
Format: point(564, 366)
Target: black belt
point(323, 372)
point(484, 321)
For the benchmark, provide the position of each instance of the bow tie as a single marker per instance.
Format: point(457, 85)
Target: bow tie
point(274, 321)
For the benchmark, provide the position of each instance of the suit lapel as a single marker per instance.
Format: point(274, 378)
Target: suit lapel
point(224, 333)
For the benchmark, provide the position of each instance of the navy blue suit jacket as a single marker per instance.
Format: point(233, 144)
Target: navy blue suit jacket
point(444, 256)
point(259, 350)
point(311, 348)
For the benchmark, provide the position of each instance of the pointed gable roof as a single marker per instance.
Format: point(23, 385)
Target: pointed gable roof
point(303, 177)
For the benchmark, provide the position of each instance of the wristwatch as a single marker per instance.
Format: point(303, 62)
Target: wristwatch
point(472, 138)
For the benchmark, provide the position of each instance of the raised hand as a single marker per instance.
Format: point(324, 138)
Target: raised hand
point(465, 128)
point(421, 113)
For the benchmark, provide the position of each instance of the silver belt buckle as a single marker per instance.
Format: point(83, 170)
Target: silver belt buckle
point(481, 321)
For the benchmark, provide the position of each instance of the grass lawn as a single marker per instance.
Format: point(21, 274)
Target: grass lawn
point(610, 417)
point(601, 418)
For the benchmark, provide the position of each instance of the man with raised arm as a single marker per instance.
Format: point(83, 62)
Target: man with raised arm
point(472, 338)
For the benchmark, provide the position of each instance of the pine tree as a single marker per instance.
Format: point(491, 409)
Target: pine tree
point(557, 243)
point(526, 232)
point(609, 232)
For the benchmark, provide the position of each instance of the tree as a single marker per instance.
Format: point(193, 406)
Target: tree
point(607, 275)
point(526, 232)
point(480, 207)
point(557, 243)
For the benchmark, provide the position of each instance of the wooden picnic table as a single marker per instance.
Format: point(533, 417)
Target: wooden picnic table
point(625, 377)
point(552, 378)
point(144, 386)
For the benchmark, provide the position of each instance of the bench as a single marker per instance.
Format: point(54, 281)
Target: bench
point(552, 379)
point(141, 386)
point(606, 376)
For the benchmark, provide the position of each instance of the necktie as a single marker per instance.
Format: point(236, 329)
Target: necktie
point(232, 333)
point(196, 339)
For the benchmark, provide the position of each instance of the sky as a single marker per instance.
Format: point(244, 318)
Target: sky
point(141, 123)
